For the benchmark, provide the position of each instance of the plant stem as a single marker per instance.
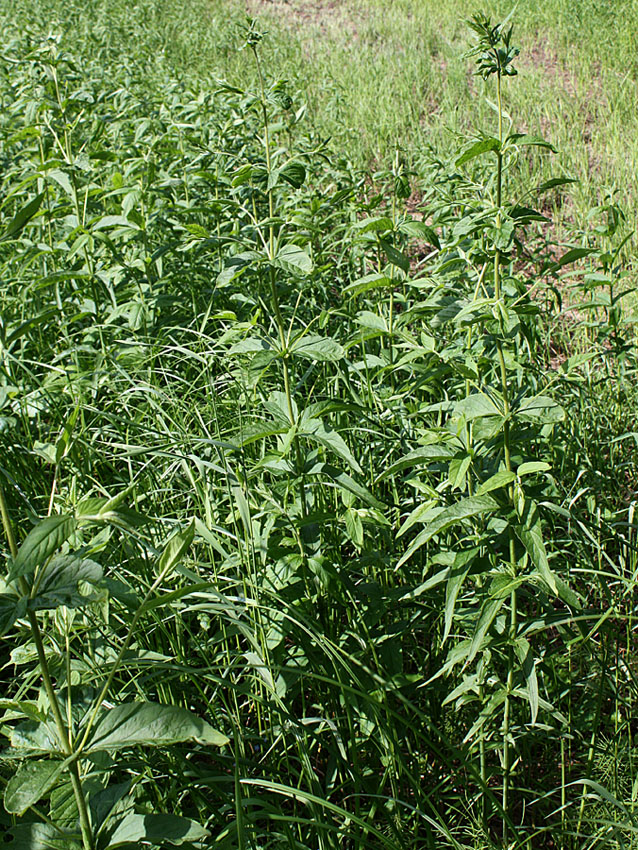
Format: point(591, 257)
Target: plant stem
point(508, 466)
point(283, 341)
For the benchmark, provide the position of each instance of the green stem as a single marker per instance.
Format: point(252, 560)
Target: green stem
point(508, 466)
point(281, 330)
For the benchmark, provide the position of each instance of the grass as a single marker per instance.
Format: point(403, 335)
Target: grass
point(377, 79)
point(318, 508)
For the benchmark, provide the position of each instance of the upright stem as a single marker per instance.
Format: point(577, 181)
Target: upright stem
point(508, 466)
point(271, 246)
point(281, 330)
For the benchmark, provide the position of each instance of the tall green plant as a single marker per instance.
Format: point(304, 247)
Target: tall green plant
point(72, 731)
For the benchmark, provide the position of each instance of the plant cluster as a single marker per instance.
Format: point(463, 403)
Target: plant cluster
point(315, 532)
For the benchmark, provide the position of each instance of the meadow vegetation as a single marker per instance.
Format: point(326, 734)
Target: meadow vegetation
point(317, 446)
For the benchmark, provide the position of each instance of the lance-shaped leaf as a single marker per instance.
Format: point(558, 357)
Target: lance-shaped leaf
point(418, 457)
point(21, 218)
point(378, 224)
point(98, 509)
point(21, 708)
point(30, 784)
point(151, 725)
point(526, 658)
point(478, 149)
point(540, 409)
point(41, 836)
point(457, 575)
point(520, 139)
point(490, 609)
point(41, 542)
point(465, 509)
point(34, 737)
point(11, 609)
point(175, 549)
point(500, 479)
point(317, 430)
point(60, 580)
point(250, 345)
point(395, 257)
point(345, 482)
point(477, 406)
point(102, 802)
point(322, 349)
point(156, 830)
point(293, 259)
point(530, 534)
point(368, 282)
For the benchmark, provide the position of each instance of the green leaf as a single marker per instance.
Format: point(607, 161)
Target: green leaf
point(420, 230)
point(11, 609)
point(458, 573)
point(316, 430)
point(378, 224)
point(476, 406)
point(34, 737)
point(41, 542)
point(322, 349)
point(30, 784)
point(531, 467)
point(104, 801)
point(522, 139)
point(60, 579)
point(108, 221)
point(173, 596)
point(496, 481)
point(524, 653)
point(249, 345)
point(530, 534)
point(41, 836)
point(156, 830)
point(21, 218)
point(99, 509)
point(369, 282)
point(490, 609)
point(396, 257)
point(525, 215)
point(567, 595)
point(23, 708)
point(345, 482)
point(468, 685)
point(541, 409)
point(62, 445)
point(294, 173)
point(175, 549)
point(62, 180)
point(294, 260)
point(354, 527)
point(554, 182)
point(478, 149)
point(465, 509)
point(575, 254)
point(151, 725)
point(419, 457)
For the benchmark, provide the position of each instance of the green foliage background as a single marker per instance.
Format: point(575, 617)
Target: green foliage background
point(317, 451)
